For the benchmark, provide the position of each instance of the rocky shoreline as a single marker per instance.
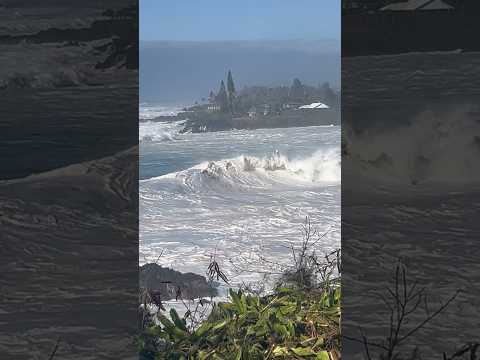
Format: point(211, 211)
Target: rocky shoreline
point(173, 284)
point(198, 123)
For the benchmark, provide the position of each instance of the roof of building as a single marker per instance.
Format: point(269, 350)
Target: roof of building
point(411, 5)
point(317, 105)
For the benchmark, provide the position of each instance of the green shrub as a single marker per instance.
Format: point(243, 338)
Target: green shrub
point(289, 324)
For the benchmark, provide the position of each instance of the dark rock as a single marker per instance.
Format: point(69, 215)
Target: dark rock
point(171, 284)
point(205, 122)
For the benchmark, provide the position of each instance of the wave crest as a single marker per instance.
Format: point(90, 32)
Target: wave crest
point(63, 77)
point(441, 147)
point(151, 131)
point(245, 173)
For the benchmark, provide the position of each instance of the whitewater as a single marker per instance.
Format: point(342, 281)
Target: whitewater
point(234, 195)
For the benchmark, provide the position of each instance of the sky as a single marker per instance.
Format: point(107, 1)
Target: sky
point(218, 20)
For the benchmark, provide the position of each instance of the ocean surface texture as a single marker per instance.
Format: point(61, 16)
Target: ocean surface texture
point(235, 195)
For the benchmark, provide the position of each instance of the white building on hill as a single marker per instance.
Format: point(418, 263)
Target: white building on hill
point(317, 105)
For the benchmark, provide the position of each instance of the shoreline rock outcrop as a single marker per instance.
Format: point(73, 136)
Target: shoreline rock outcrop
point(172, 284)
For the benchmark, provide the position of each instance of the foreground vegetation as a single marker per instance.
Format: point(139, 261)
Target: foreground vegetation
point(299, 319)
point(288, 324)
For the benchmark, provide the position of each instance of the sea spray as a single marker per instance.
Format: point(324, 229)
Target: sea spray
point(436, 147)
point(244, 172)
point(151, 131)
point(237, 192)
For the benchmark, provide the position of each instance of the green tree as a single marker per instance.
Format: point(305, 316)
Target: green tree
point(222, 98)
point(230, 84)
point(297, 91)
point(231, 91)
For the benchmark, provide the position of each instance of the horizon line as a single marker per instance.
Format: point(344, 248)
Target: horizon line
point(242, 40)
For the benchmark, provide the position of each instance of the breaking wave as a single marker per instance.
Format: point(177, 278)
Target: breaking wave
point(63, 77)
point(151, 131)
point(28, 65)
point(436, 147)
point(148, 112)
point(248, 172)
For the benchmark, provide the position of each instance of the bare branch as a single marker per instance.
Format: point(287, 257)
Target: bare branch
point(55, 349)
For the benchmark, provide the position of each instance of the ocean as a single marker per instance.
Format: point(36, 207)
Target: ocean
point(239, 196)
point(410, 195)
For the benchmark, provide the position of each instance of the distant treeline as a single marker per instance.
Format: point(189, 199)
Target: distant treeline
point(275, 98)
point(297, 93)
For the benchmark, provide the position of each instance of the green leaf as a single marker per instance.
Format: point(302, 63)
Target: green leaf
point(239, 355)
point(236, 299)
point(291, 329)
point(288, 309)
point(166, 322)
point(202, 329)
point(303, 351)
point(243, 304)
point(173, 331)
point(280, 351)
point(176, 320)
point(323, 355)
point(202, 355)
point(284, 290)
point(220, 325)
point(261, 331)
point(281, 330)
point(320, 342)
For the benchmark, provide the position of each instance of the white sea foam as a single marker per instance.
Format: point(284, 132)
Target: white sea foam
point(245, 172)
point(148, 112)
point(29, 65)
point(159, 131)
point(233, 194)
